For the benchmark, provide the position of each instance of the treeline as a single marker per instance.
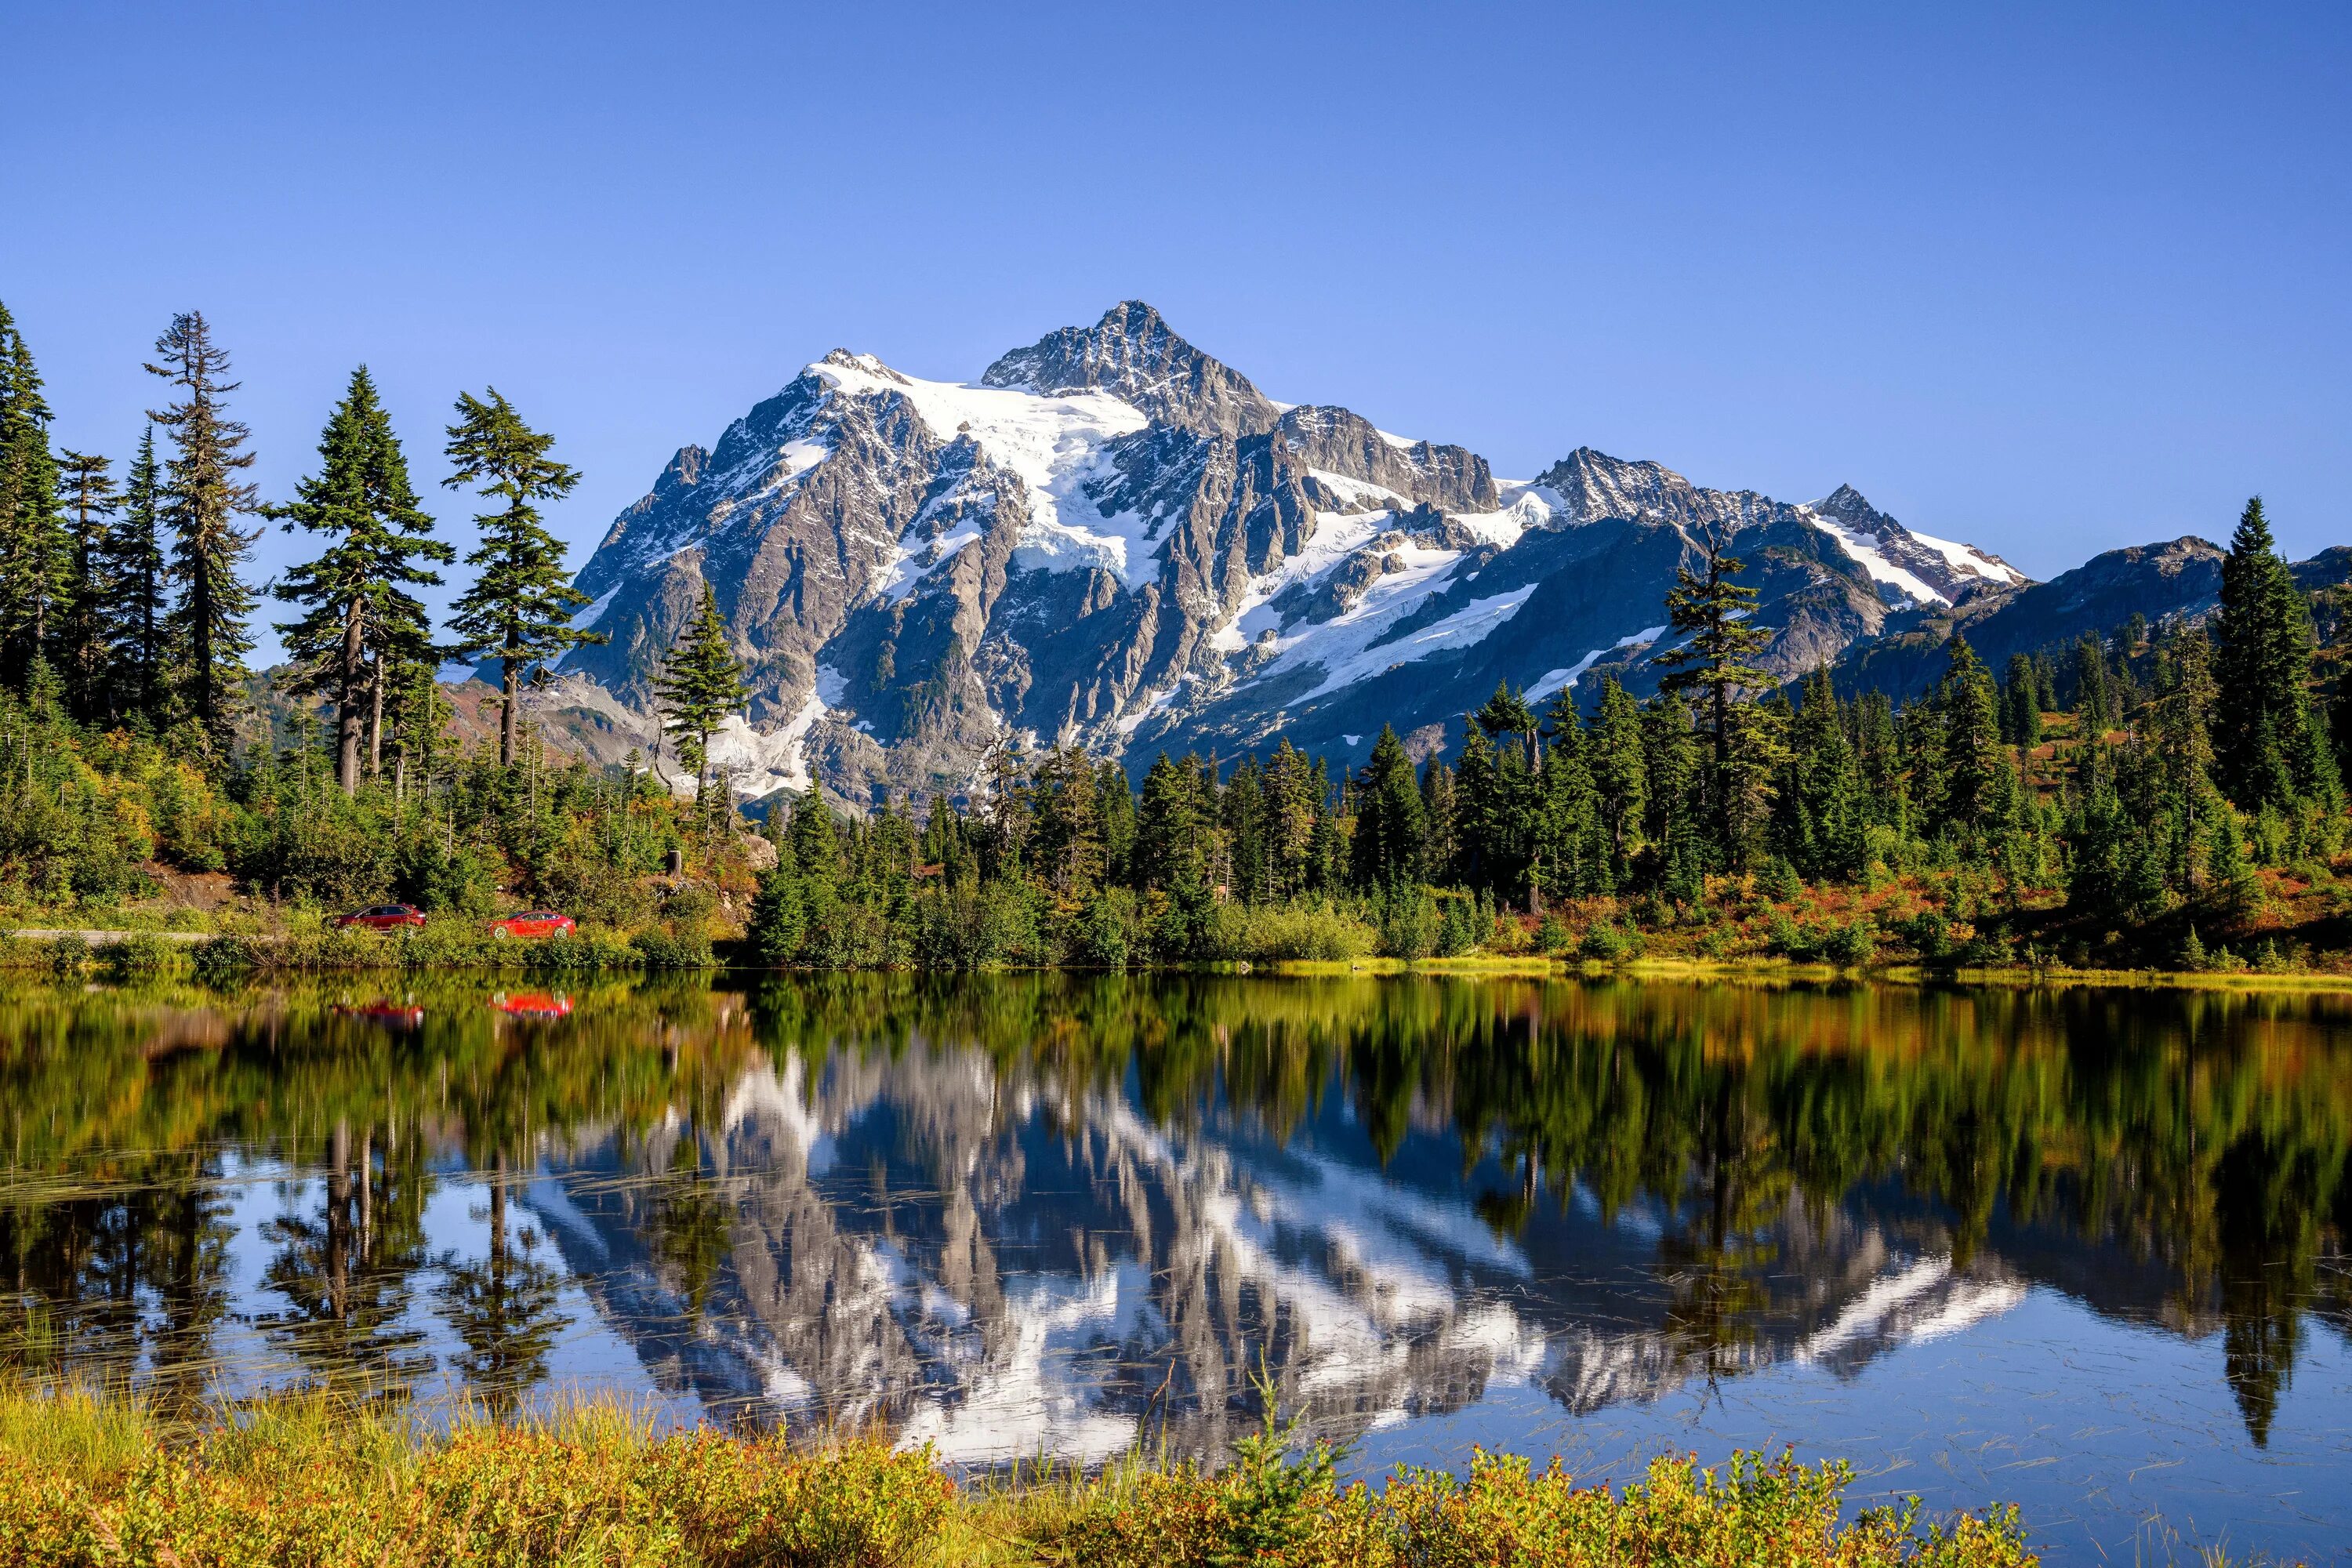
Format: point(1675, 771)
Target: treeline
point(2136, 779)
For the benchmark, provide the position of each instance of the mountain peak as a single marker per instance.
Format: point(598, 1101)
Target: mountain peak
point(1849, 505)
point(1135, 355)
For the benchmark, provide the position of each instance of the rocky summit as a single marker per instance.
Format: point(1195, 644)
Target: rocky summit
point(1114, 539)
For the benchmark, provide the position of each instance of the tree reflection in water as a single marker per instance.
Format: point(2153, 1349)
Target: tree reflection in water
point(1018, 1210)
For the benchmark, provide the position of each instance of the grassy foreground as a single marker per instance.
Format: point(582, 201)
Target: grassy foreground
point(87, 1480)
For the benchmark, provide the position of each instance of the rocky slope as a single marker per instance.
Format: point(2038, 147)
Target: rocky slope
point(1111, 538)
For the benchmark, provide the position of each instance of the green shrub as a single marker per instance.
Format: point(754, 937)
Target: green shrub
point(68, 955)
point(655, 950)
point(1605, 943)
point(224, 960)
point(1856, 941)
point(143, 955)
point(1552, 937)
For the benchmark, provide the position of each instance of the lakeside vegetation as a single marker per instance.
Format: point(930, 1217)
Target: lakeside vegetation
point(87, 1481)
point(2149, 796)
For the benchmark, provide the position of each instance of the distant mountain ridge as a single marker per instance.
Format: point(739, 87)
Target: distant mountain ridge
point(1113, 539)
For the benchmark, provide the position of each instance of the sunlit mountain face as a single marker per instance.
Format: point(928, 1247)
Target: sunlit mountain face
point(1063, 1215)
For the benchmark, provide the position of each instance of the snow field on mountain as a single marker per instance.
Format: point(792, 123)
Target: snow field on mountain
point(1965, 559)
point(1561, 680)
point(1864, 549)
point(1054, 444)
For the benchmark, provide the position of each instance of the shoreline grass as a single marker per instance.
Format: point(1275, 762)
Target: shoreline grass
point(89, 1478)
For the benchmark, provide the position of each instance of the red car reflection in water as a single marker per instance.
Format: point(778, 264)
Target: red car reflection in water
point(387, 1015)
point(383, 917)
point(533, 923)
point(532, 1004)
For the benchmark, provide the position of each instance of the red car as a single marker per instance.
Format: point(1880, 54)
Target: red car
point(533, 922)
point(532, 1004)
point(383, 917)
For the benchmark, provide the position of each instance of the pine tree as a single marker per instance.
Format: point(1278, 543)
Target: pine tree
point(33, 545)
point(1291, 802)
point(699, 685)
point(82, 642)
point(379, 539)
point(2263, 638)
point(202, 498)
point(1717, 661)
point(1620, 773)
point(137, 573)
point(1829, 841)
point(1387, 846)
point(1972, 759)
point(2021, 698)
point(519, 608)
point(1169, 851)
point(1572, 852)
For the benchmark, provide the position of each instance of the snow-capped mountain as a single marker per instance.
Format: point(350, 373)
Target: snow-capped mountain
point(1112, 538)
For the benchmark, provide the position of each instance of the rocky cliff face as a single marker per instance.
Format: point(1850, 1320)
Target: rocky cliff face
point(1113, 539)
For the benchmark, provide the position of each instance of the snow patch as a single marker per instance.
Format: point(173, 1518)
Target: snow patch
point(1863, 547)
point(1965, 558)
point(1054, 444)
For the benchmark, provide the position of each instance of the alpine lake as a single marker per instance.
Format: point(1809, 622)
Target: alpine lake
point(2082, 1249)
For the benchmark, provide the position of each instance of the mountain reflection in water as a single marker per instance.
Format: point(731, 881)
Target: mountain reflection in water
point(1020, 1215)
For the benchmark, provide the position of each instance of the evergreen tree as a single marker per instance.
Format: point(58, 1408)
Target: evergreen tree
point(1824, 834)
point(1440, 803)
point(1169, 851)
point(1292, 800)
point(379, 535)
point(1672, 762)
point(1386, 850)
point(203, 499)
point(82, 642)
point(2020, 700)
point(700, 684)
point(33, 545)
point(1571, 854)
point(1620, 773)
point(137, 573)
point(519, 608)
point(1973, 759)
point(2263, 638)
point(1878, 753)
point(1067, 838)
point(1717, 661)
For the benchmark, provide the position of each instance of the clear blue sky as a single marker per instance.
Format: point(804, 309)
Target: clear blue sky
point(2051, 281)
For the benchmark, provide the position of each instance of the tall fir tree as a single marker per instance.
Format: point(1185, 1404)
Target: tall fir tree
point(137, 572)
point(1387, 846)
point(2021, 703)
point(1716, 662)
point(2263, 664)
point(356, 592)
point(34, 552)
point(203, 498)
point(519, 609)
point(1620, 773)
point(1169, 851)
point(699, 685)
point(82, 642)
point(1973, 759)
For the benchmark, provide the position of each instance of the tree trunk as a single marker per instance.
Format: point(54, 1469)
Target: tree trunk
point(509, 682)
point(375, 718)
point(347, 701)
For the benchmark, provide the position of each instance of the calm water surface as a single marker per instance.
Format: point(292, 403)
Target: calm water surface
point(2085, 1251)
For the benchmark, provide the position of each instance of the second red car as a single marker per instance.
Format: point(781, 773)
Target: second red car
point(533, 923)
point(383, 917)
